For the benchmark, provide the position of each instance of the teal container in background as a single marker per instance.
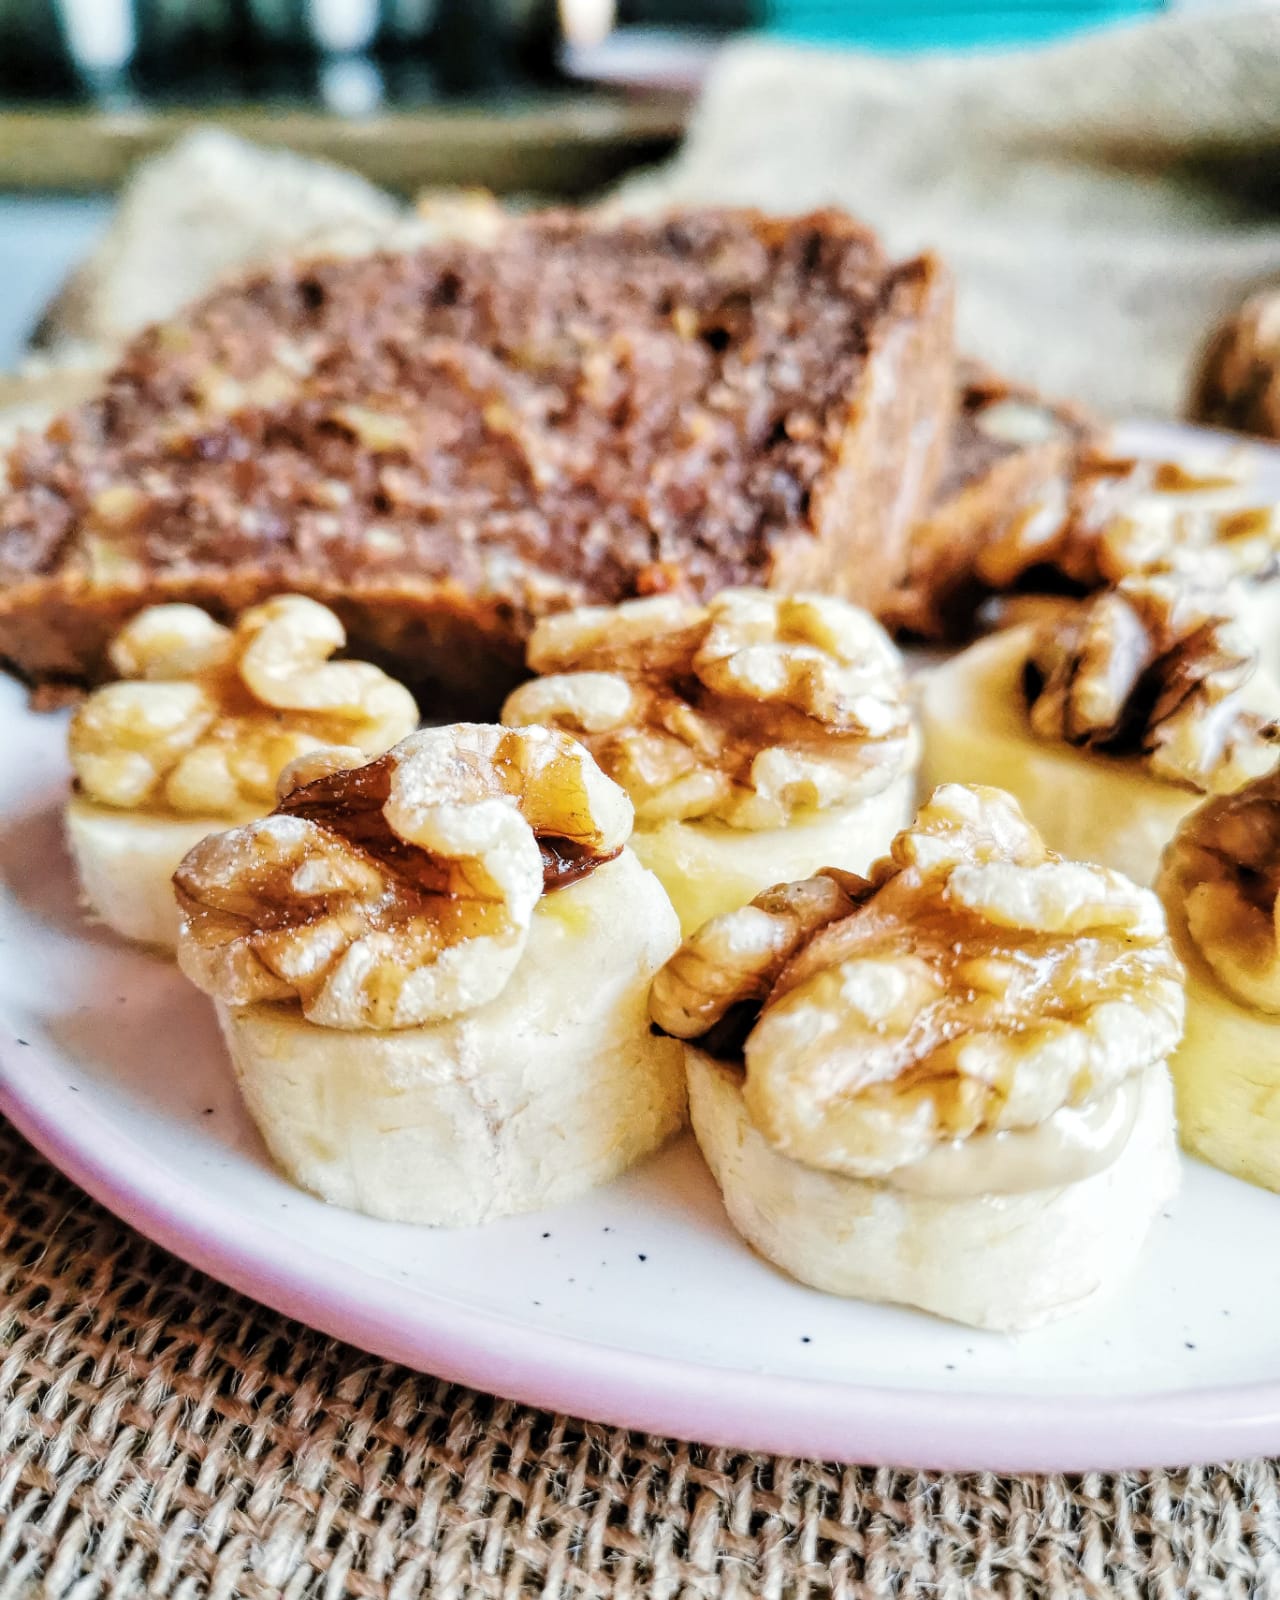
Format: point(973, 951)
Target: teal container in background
point(944, 24)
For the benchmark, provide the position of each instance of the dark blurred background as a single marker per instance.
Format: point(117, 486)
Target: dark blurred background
point(354, 55)
point(87, 86)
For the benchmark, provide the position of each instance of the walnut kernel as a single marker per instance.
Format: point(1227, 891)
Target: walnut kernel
point(399, 892)
point(746, 711)
point(207, 717)
point(973, 982)
point(1155, 669)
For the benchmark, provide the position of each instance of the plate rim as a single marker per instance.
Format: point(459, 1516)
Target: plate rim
point(731, 1408)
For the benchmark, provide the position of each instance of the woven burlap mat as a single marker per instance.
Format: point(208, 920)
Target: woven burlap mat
point(160, 1435)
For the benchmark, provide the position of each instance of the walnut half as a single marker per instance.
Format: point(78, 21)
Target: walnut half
point(973, 982)
point(207, 717)
point(1223, 870)
point(1154, 669)
point(1124, 517)
point(399, 892)
point(745, 710)
point(1238, 382)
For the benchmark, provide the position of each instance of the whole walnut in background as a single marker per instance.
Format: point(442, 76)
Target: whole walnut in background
point(1238, 381)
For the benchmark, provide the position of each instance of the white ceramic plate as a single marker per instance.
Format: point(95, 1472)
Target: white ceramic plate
point(638, 1305)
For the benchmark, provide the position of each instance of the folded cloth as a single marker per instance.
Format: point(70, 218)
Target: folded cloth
point(209, 204)
point(1102, 203)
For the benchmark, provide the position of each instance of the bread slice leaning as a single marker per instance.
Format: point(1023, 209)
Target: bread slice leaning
point(993, 1261)
point(442, 515)
point(555, 1085)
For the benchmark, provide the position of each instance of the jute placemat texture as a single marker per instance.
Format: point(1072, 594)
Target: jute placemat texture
point(162, 1436)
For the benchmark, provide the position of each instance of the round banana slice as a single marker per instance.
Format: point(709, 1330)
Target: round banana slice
point(943, 1084)
point(552, 1087)
point(432, 974)
point(759, 736)
point(1131, 722)
point(1005, 1261)
point(194, 736)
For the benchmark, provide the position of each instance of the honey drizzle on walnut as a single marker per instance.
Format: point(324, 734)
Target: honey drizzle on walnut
point(418, 896)
point(1221, 880)
point(350, 804)
point(973, 982)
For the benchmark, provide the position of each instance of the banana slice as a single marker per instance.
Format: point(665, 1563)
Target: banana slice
point(1005, 1261)
point(552, 1087)
point(1088, 803)
point(1227, 1074)
point(759, 736)
point(125, 864)
point(434, 986)
point(1219, 883)
point(194, 737)
point(945, 1084)
point(707, 867)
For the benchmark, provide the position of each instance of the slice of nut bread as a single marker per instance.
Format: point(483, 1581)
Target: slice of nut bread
point(1013, 455)
point(447, 442)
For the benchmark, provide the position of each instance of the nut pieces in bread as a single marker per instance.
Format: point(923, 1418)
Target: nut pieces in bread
point(448, 441)
point(401, 892)
point(432, 972)
point(757, 735)
point(195, 735)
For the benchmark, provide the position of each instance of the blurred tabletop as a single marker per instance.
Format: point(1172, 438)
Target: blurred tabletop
point(563, 144)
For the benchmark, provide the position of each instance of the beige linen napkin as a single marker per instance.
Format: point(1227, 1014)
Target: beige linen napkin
point(1102, 202)
point(208, 205)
